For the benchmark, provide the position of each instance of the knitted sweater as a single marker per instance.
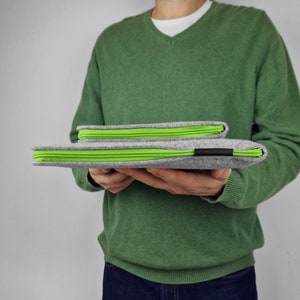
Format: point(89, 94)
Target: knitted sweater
point(230, 66)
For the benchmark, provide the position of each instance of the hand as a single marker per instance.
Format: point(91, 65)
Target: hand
point(200, 183)
point(111, 180)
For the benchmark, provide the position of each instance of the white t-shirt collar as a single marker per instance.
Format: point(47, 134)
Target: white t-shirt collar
point(172, 27)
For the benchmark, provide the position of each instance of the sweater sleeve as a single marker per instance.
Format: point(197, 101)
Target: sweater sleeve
point(276, 125)
point(89, 112)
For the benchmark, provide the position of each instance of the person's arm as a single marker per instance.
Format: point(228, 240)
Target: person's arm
point(277, 126)
point(88, 112)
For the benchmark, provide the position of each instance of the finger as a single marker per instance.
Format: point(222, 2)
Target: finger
point(170, 176)
point(221, 174)
point(190, 183)
point(145, 177)
point(112, 178)
point(114, 181)
point(97, 171)
point(118, 187)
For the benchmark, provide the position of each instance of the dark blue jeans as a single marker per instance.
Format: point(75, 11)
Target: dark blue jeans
point(121, 285)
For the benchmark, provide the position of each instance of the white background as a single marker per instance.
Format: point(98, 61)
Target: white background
point(48, 226)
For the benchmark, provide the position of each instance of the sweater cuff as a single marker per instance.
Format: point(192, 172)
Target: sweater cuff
point(81, 178)
point(92, 182)
point(232, 194)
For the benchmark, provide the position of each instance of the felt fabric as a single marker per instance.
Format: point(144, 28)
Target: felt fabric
point(188, 162)
point(161, 125)
point(157, 125)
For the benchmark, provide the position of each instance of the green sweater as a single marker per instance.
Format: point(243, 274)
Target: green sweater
point(230, 66)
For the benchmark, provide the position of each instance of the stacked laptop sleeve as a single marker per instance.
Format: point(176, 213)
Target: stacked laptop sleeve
point(177, 145)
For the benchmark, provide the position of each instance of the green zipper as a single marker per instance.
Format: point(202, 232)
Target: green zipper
point(255, 153)
point(123, 155)
point(146, 132)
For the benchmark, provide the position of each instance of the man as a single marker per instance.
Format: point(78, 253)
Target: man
point(172, 234)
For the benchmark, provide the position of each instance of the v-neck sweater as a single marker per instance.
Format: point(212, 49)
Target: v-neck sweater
point(231, 66)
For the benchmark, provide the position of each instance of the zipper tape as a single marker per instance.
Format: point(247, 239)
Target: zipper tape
point(133, 155)
point(152, 133)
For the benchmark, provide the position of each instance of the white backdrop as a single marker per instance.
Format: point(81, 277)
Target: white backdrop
point(48, 226)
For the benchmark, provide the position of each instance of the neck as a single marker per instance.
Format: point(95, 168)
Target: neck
point(172, 9)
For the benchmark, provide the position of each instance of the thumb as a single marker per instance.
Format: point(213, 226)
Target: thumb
point(95, 171)
point(221, 174)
